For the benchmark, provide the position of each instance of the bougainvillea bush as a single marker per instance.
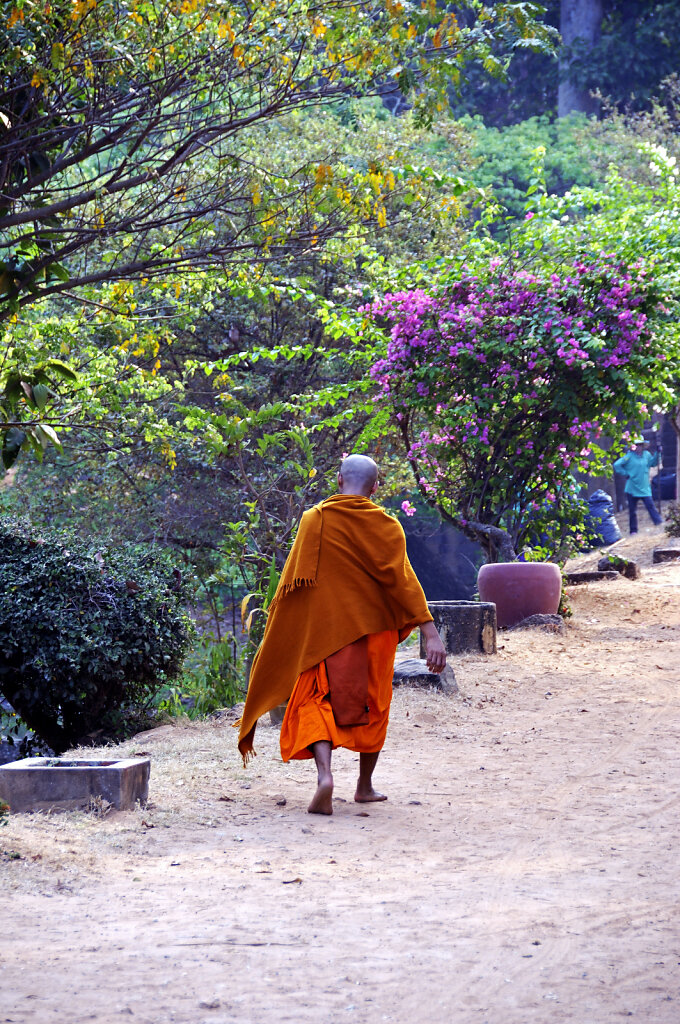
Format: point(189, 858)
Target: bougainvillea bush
point(499, 384)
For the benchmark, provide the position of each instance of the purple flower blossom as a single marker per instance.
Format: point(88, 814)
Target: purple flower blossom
point(491, 362)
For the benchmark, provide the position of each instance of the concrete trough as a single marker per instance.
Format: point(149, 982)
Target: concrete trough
point(60, 783)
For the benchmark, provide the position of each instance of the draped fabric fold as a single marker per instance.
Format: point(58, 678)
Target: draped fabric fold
point(347, 575)
point(310, 716)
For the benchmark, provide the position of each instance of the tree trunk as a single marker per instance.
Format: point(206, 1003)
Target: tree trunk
point(496, 543)
point(580, 22)
point(675, 423)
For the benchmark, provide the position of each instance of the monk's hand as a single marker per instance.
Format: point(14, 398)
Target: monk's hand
point(435, 653)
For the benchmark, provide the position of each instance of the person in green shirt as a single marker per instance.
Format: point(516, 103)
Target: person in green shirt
point(635, 465)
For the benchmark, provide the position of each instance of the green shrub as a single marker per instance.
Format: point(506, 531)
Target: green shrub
point(505, 160)
point(87, 635)
point(216, 680)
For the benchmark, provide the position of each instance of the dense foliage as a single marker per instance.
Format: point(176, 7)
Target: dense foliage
point(505, 157)
point(135, 138)
point(87, 635)
point(142, 144)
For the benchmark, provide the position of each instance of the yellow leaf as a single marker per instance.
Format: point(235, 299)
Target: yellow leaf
point(375, 181)
point(323, 173)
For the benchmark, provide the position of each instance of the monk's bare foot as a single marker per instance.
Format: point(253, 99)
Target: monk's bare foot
point(368, 796)
point(322, 802)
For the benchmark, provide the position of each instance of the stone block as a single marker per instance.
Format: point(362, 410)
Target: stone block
point(548, 623)
point(277, 714)
point(54, 783)
point(573, 578)
point(665, 555)
point(464, 626)
point(624, 566)
point(414, 672)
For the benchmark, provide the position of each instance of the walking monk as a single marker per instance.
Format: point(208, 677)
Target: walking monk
point(346, 597)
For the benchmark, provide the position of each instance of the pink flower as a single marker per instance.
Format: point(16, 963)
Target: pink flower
point(407, 508)
point(529, 216)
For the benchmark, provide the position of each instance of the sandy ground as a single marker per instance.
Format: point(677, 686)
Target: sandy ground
point(523, 871)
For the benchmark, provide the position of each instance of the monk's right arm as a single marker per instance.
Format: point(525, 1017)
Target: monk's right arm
point(435, 653)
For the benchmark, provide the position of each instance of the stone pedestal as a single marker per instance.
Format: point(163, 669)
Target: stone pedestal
point(57, 783)
point(665, 555)
point(464, 626)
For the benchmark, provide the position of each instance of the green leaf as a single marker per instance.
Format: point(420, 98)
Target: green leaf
point(62, 369)
point(11, 446)
point(58, 271)
point(46, 434)
point(272, 583)
point(12, 388)
point(57, 55)
point(40, 395)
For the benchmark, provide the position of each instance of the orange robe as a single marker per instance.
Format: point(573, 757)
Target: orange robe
point(347, 576)
point(309, 716)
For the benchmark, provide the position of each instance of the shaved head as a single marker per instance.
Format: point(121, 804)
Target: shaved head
point(358, 475)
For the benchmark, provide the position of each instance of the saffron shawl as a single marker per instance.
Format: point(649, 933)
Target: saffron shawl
point(347, 575)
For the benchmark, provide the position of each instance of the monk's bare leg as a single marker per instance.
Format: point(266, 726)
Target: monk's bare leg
point(365, 793)
point(322, 802)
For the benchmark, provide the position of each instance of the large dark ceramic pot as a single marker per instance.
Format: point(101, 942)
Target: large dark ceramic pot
point(520, 589)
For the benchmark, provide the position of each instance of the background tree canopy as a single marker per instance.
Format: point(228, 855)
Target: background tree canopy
point(622, 50)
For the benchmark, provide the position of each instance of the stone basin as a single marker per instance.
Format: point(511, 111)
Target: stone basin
point(56, 783)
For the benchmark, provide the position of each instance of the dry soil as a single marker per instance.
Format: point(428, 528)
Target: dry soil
point(523, 871)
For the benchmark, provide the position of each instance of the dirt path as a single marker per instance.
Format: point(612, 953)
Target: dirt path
point(523, 871)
